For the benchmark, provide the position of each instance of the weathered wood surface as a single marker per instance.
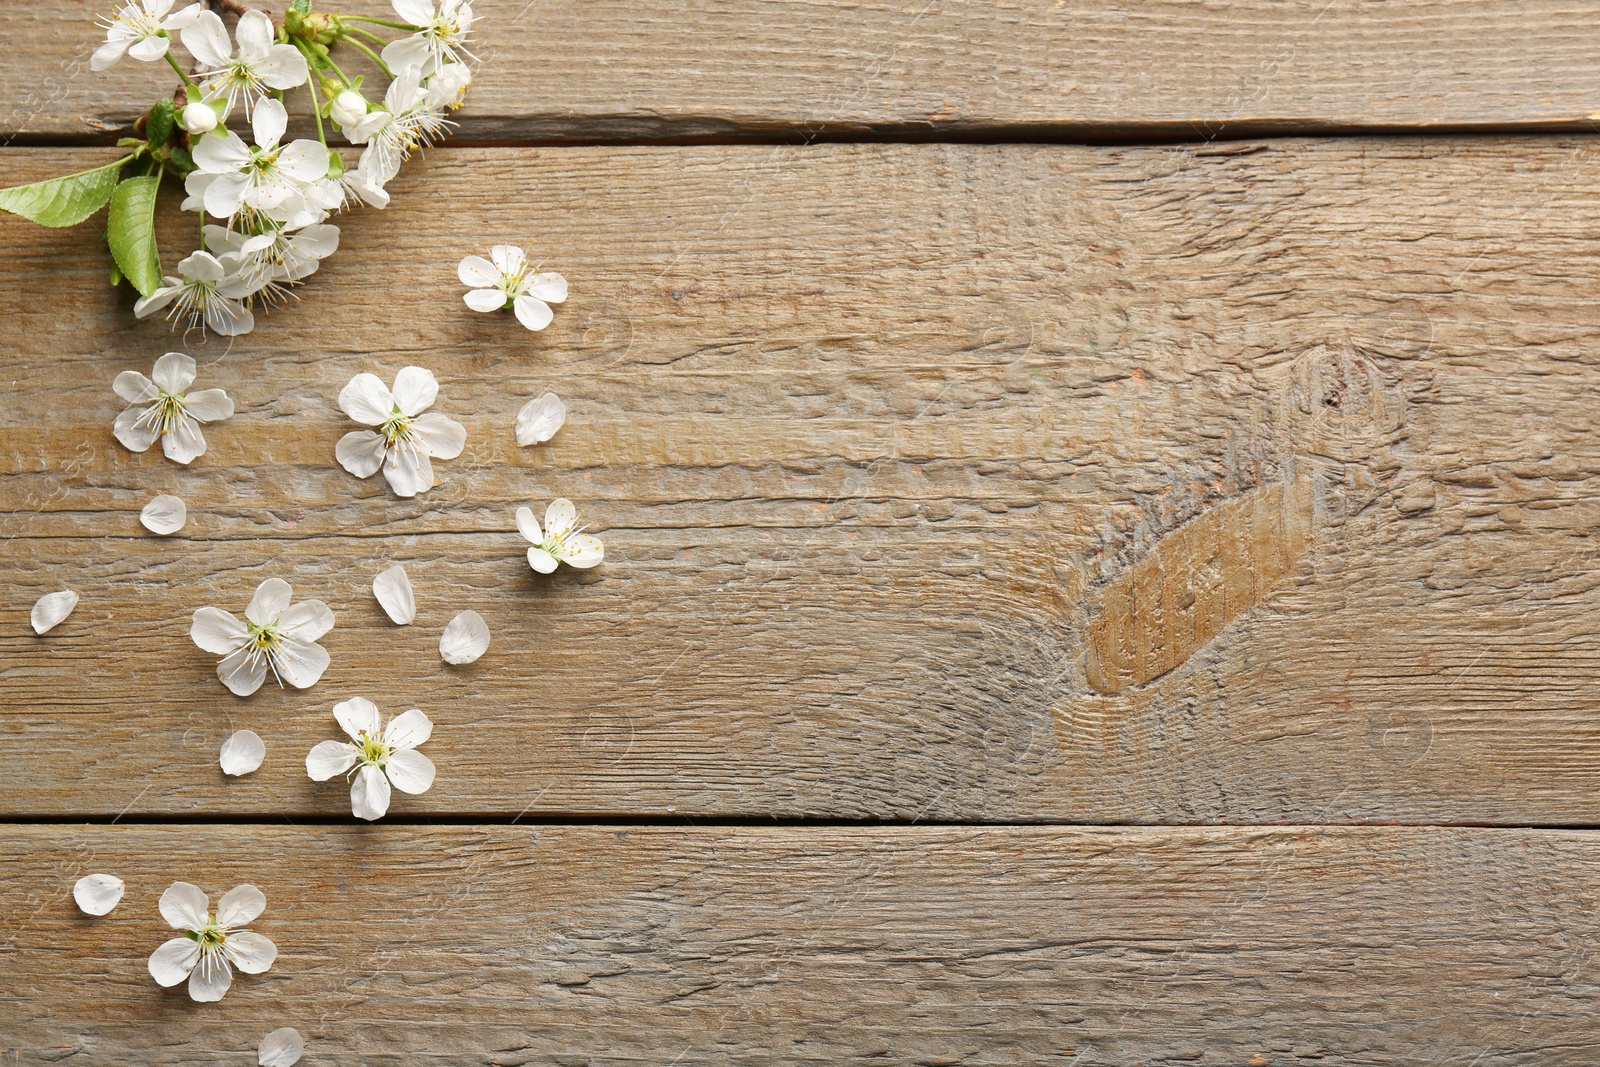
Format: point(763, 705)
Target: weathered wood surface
point(649, 946)
point(618, 69)
point(958, 482)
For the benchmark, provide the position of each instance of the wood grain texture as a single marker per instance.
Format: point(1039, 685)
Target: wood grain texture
point(611, 946)
point(620, 69)
point(877, 437)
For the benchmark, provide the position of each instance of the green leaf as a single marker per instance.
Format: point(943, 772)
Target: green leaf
point(163, 117)
point(131, 232)
point(64, 201)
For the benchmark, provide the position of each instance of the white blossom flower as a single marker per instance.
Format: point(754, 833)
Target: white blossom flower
point(381, 757)
point(268, 178)
point(259, 67)
point(242, 753)
point(97, 894)
point(503, 281)
point(408, 120)
point(558, 543)
point(539, 419)
point(393, 590)
point(50, 609)
point(163, 409)
point(165, 515)
point(281, 1048)
point(363, 183)
point(406, 440)
point(203, 294)
point(266, 262)
point(142, 30)
point(211, 947)
point(440, 36)
point(465, 639)
point(274, 636)
point(448, 85)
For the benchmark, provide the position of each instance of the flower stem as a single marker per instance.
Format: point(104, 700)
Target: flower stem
point(179, 69)
point(316, 109)
point(381, 22)
point(376, 58)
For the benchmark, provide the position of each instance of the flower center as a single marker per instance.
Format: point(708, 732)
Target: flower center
point(164, 412)
point(263, 637)
point(209, 937)
point(397, 428)
point(373, 750)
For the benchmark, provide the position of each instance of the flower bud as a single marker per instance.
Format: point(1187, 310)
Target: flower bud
point(198, 118)
point(349, 108)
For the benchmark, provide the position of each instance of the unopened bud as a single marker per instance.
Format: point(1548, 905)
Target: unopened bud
point(199, 118)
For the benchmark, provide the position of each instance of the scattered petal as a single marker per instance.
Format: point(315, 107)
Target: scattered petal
point(393, 590)
point(51, 608)
point(164, 515)
point(465, 639)
point(97, 894)
point(539, 419)
point(242, 753)
point(281, 1048)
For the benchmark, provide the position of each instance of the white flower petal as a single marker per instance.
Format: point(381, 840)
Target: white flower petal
point(254, 33)
point(408, 730)
point(164, 515)
point(242, 753)
point(542, 561)
point(134, 387)
point(299, 663)
point(97, 894)
point(210, 979)
point(242, 672)
point(476, 272)
point(408, 471)
point(559, 518)
point(581, 550)
point(269, 121)
point(367, 400)
point(174, 372)
point(508, 259)
point(206, 38)
point(358, 717)
point(208, 405)
point(551, 287)
point(183, 442)
point(172, 962)
point(329, 758)
point(284, 67)
point(369, 794)
point(271, 600)
point(532, 312)
point(440, 436)
point(184, 906)
point(251, 952)
point(361, 452)
point(415, 389)
point(281, 1048)
point(133, 431)
point(410, 771)
point(218, 631)
point(307, 620)
point(464, 639)
point(528, 526)
point(393, 590)
point(107, 54)
point(305, 161)
point(539, 419)
point(240, 905)
point(416, 12)
point(51, 608)
point(485, 299)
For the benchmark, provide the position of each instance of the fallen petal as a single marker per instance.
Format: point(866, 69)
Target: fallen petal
point(465, 639)
point(281, 1048)
point(539, 419)
point(164, 515)
point(242, 753)
point(97, 894)
point(52, 608)
point(393, 590)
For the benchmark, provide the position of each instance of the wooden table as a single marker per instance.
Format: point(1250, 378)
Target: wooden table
point(1098, 502)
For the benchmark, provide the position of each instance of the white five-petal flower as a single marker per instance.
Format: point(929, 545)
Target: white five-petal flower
point(163, 409)
point(411, 118)
point(406, 440)
point(440, 36)
point(275, 636)
point(503, 281)
point(559, 542)
point(380, 756)
point(269, 178)
point(203, 294)
point(211, 946)
point(259, 67)
point(141, 29)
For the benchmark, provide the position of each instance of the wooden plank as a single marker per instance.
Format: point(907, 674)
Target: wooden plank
point(522, 945)
point(627, 69)
point(883, 442)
